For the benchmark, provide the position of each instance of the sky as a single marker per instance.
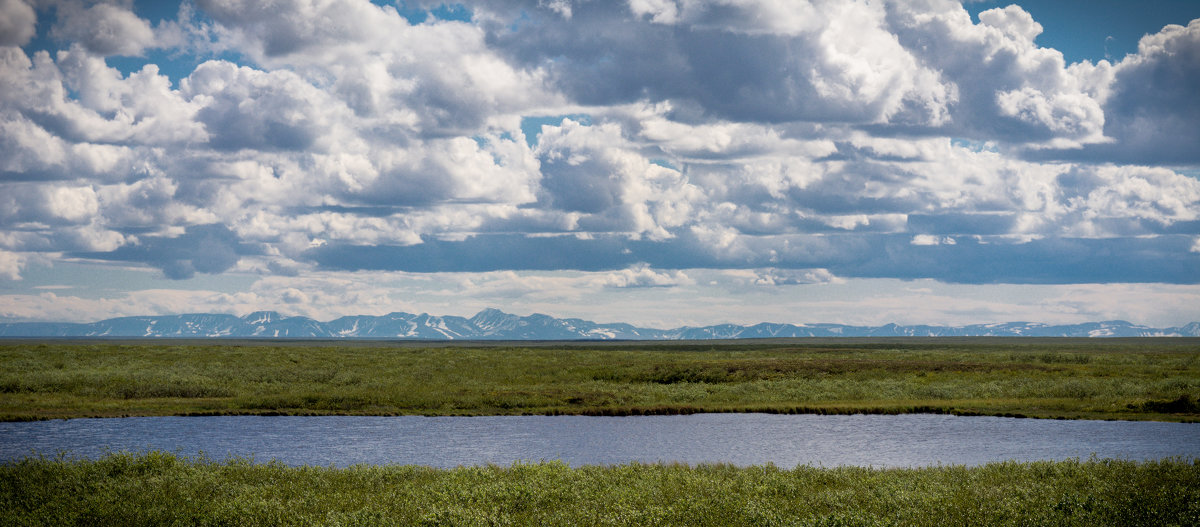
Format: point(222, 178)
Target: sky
point(659, 162)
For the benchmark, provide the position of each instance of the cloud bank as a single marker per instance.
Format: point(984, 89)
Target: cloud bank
point(802, 143)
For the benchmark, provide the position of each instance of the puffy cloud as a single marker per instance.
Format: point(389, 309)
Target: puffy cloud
point(30, 152)
point(79, 99)
point(148, 204)
point(642, 275)
point(906, 66)
point(1130, 200)
point(653, 124)
point(929, 239)
point(739, 61)
point(789, 145)
point(244, 108)
point(772, 276)
point(17, 22)
point(201, 249)
point(103, 28)
point(48, 204)
point(1152, 112)
point(1013, 21)
point(1018, 198)
point(1007, 87)
point(501, 170)
point(89, 237)
point(292, 295)
point(270, 30)
point(439, 78)
point(595, 172)
point(10, 265)
point(659, 11)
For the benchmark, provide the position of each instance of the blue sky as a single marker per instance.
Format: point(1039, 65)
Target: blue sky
point(1097, 29)
point(665, 162)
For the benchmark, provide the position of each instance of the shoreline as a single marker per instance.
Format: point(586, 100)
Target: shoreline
point(633, 411)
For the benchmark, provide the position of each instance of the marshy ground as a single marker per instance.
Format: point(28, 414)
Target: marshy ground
point(162, 489)
point(1156, 379)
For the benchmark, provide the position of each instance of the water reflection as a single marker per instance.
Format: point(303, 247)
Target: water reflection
point(740, 439)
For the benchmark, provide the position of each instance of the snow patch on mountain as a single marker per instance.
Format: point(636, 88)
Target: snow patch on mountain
point(493, 324)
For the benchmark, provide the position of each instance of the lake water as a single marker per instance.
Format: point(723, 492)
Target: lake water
point(740, 439)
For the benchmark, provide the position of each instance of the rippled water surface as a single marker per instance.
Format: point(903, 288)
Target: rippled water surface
point(740, 439)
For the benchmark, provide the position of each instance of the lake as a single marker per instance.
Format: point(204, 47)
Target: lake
point(739, 439)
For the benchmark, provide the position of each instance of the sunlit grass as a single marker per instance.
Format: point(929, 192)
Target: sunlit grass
point(1073, 378)
point(162, 489)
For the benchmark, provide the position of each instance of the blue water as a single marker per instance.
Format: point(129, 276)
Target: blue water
point(739, 439)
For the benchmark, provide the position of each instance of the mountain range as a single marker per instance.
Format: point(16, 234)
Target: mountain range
point(493, 324)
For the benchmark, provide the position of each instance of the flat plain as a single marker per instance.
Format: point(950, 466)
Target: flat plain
point(1147, 379)
point(162, 489)
point(1139, 379)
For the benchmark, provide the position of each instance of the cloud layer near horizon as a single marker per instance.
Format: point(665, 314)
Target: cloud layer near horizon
point(825, 139)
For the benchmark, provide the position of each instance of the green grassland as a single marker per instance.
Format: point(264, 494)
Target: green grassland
point(1155, 379)
point(161, 489)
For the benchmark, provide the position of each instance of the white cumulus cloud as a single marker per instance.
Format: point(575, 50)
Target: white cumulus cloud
point(103, 28)
point(17, 22)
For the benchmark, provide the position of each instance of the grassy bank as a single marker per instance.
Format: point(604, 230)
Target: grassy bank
point(1070, 378)
point(160, 489)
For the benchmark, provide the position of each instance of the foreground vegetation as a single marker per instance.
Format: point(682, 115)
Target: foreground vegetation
point(161, 489)
point(1067, 378)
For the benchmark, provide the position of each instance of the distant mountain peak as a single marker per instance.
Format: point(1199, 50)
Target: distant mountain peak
point(494, 324)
